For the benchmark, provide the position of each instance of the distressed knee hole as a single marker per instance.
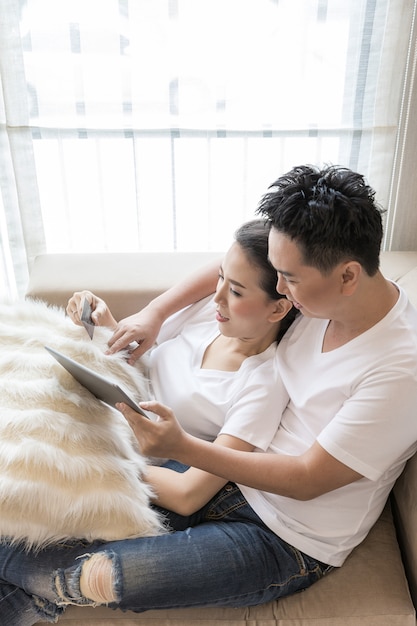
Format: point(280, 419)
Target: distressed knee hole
point(97, 580)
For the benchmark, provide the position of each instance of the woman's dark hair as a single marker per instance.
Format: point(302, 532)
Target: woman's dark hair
point(252, 237)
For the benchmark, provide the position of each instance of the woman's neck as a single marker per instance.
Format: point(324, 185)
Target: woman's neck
point(228, 353)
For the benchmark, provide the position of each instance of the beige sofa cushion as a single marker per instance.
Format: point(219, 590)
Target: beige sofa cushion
point(374, 594)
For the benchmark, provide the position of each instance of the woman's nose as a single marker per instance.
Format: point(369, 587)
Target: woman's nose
point(220, 293)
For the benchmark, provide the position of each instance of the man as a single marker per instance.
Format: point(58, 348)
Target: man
point(349, 365)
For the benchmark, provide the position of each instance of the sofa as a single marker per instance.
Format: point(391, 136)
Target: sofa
point(377, 585)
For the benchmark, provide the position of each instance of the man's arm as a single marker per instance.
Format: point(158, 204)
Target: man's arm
point(300, 477)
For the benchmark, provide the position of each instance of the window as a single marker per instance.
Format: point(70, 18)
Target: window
point(158, 125)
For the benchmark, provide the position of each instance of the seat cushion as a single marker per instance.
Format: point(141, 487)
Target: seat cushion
point(369, 590)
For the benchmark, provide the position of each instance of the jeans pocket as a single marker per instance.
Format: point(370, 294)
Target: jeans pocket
point(226, 503)
point(309, 567)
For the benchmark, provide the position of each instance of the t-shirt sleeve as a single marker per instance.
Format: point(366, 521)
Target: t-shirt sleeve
point(382, 410)
point(256, 411)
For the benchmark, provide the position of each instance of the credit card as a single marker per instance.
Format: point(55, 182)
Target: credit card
point(86, 318)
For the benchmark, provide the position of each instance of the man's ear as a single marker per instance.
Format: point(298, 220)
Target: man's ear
point(281, 308)
point(350, 275)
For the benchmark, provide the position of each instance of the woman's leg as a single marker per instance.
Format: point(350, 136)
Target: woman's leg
point(230, 558)
point(28, 591)
point(19, 609)
point(36, 572)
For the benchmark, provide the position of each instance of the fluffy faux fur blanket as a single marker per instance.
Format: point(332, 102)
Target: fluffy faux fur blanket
point(69, 464)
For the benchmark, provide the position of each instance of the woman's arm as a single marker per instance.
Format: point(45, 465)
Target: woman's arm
point(143, 327)
point(186, 493)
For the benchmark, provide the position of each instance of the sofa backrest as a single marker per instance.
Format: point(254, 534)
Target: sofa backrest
point(126, 281)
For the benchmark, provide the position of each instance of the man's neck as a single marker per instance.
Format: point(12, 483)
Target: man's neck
point(362, 312)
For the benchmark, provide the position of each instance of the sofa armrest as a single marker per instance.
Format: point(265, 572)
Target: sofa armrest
point(126, 281)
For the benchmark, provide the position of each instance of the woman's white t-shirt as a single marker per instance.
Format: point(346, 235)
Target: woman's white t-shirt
point(247, 404)
point(360, 403)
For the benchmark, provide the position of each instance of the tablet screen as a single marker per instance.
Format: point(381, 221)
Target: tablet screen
point(105, 390)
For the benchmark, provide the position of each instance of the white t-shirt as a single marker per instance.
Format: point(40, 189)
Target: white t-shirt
point(360, 403)
point(247, 404)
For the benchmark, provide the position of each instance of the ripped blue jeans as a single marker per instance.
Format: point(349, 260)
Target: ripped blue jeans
point(223, 555)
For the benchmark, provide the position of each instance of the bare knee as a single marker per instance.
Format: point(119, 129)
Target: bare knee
point(97, 579)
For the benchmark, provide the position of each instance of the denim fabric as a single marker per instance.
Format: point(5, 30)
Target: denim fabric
point(225, 556)
point(19, 609)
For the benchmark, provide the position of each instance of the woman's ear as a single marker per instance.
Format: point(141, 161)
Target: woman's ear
point(281, 308)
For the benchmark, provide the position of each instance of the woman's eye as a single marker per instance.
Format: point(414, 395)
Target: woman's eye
point(235, 293)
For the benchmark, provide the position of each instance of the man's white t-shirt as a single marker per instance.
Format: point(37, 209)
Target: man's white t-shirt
point(360, 403)
point(247, 404)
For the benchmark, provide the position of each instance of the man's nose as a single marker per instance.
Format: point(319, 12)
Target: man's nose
point(281, 285)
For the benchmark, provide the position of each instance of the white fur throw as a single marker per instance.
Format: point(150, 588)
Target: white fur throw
point(69, 464)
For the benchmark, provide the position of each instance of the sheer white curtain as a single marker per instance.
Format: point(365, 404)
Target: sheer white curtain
point(21, 232)
point(158, 124)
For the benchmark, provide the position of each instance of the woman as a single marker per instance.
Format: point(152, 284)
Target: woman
point(214, 364)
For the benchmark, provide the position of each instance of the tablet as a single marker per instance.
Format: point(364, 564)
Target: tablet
point(105, 390)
